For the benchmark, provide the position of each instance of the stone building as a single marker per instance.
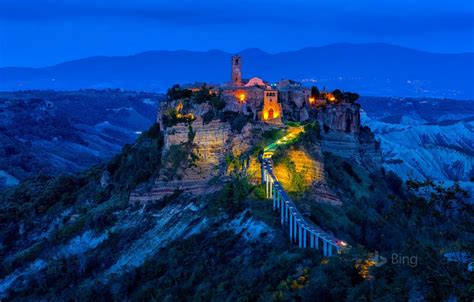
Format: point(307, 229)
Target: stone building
point(272, 110)
point(251, 97)
point(236, 78)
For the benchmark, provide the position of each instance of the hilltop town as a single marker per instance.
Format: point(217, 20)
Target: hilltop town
point(270, 103)
point(208, 124)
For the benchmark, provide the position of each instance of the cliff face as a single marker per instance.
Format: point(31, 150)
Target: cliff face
point(343, 117)
point(343, 135)
point(210, 145)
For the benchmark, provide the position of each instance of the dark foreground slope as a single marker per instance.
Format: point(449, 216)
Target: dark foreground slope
point(77, 237)
point(54, 132)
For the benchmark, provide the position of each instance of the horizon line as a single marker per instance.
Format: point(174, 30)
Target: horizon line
point(242, 50)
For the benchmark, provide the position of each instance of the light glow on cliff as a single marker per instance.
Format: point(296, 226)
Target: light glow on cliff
point(330, 97)
point(179, 115)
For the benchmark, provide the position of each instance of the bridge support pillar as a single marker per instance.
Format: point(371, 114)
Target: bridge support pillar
point(325, 248)
point(266, 184)
point(329, 250)
point(270, 184)
point(295, 228)
point(274, 200)
point(291, 228)
point(304, 238)
point(300, 236)
point(311, 240)
point(316, 240)
point(282, 210)
point(275, 193)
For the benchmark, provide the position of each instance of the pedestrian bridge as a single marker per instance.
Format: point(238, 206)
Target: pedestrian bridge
point(301, 231)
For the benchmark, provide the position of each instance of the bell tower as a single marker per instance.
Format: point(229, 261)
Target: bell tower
point(236, 70)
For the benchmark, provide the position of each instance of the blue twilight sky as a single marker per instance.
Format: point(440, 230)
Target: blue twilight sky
point(44, 32)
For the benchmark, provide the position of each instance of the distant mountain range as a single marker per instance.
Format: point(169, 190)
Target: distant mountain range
point(369, 69)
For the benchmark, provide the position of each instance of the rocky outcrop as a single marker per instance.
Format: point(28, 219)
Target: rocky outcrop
point(210, 145)
point(342, 134)
point(343, 117)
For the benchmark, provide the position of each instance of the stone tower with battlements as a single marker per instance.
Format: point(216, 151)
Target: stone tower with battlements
point(236, 70)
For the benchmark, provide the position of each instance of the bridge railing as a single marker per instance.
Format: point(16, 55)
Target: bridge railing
point(301, 229)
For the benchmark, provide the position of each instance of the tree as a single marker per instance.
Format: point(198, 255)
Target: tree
point(338, 95)
point(351, 97)
point(315, 92)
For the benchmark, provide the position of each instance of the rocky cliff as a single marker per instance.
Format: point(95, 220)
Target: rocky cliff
point(209, 144)
point(343, 135)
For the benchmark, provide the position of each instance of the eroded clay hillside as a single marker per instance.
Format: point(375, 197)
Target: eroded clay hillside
point(51, 132)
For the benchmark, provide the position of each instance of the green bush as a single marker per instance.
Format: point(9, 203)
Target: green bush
point(238, 123)
point(217, 103)
point(231, 197)
point(176, 93)
point(208, 117)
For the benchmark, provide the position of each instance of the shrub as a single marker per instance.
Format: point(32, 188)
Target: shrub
point(217, 102)
point(351, 97)
point(238, 123)
point(231, 197)
point(208, 117)
point(176, 93)
point(338, 95)
point(315, 92)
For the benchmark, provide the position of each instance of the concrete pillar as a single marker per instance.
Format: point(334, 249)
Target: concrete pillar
point(291, 228)
point(282, 211)
point(277, 194)
point(266, 185)
point(280, 198)
point(295, 228)
point(325, 248)
point(329, 250)
point(304, 238)
point(269, 186)
point(311, 240)
point(316, 239)
point(300, 236)
point(274, 200)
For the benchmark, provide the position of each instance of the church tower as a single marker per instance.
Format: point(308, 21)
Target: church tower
point(236, 70)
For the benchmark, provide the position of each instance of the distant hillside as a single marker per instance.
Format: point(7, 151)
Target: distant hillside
point(424, 138)
point(63, 132)
point(369, 69)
